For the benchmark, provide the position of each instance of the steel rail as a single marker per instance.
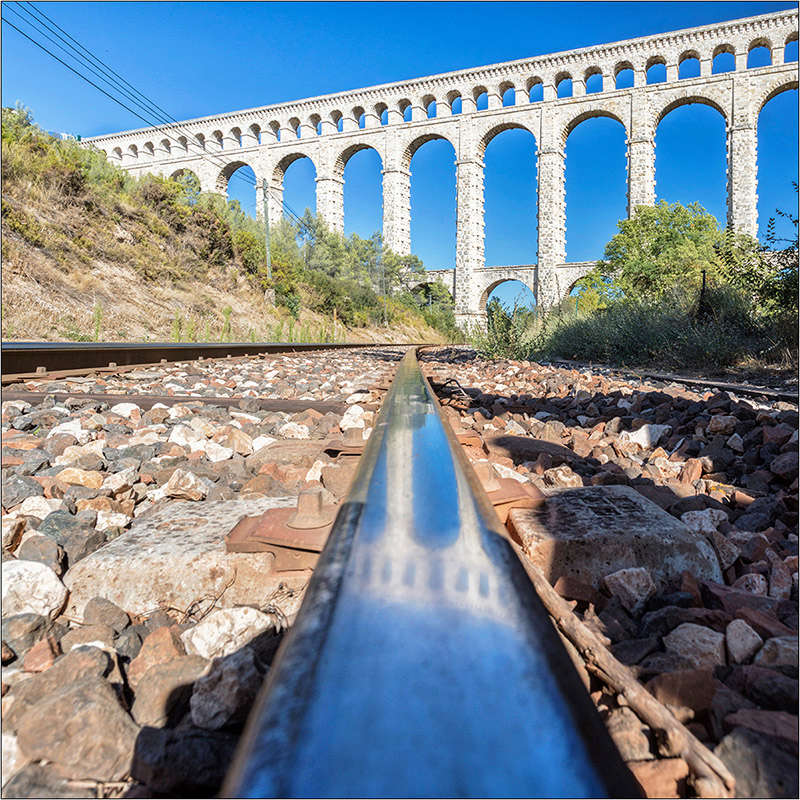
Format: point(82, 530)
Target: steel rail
point(422, 662)
point(23, 360)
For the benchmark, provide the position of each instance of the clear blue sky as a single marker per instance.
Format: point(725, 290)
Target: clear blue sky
point(196, 59)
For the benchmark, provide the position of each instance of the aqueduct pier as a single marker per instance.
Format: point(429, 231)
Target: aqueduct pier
point(396, 119)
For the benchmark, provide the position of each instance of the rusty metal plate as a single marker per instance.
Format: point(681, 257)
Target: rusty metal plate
point(292, 548)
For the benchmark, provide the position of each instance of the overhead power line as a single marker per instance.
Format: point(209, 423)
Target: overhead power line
point(42, 24)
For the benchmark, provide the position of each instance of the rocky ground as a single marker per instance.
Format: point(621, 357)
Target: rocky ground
point(122, 646)
point(130, 658)
point(697, 593)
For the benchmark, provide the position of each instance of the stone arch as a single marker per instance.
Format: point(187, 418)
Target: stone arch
point(181, 171)
point(760, 41)
point(149, 150)
point(133, 151)
point(676, 102)
point(117, 153)
point(496, 129)
point(315, 122)
point(491, 283)
point(225, 173)
point(379, 109)
point(255, 132)
point(452, 96)
point(279, 170)
point(599, 111)
point(619, 68)
point(345, 155)
point(590, 72)
point(201, 140)
point(781, 84)
point(415, 143)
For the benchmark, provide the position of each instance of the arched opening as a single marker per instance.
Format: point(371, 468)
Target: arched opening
point(510, 196)
point(594, 81)
point(237, 182)
point(454, 98)
point(430, 107)
point(509, 293)
point(360, 117)
point(433, 201)
point(189, 182)
point(536, 91)
point(689, 66)
point(691, 156)
point(777, 162)
point(404, 107)
point(428, 294)
point(363, 191)
point(790, 50)
point(563, 85)
point(255, 133)
point(300, 184)
point(294, 126)
point(382, 112)
point(724, 60)
point(623, 77)
point(656, 70)
point(596, 185)
point(759, 54)
point(508, 95)
point(481, 99)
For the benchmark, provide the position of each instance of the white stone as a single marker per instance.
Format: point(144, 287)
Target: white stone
point(352, 418)
point(111, 519)
point(647, 436)
point(175, 556)
point(705, 522)
point(260, 442)
point(633, 586)
point(38, 506)
point(741, 641)
point(186, 485)
point(144, 437)
point(701, 646)
point(506, 472)
point(225, 631)
point(31, 587)
point(76, 451)
point(293, 430)
point(121, 481)
point(216, 452)
point(315, 473)
point(71, 427)
point(203, 426)
point(126, 410)
point(185, 436)
point(357, 397)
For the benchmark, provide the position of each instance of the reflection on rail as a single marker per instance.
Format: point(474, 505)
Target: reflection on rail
point(422, 663)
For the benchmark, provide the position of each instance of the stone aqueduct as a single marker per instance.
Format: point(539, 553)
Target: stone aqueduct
point(396, 119)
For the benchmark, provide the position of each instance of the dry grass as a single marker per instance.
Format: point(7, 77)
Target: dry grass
point(92, 259)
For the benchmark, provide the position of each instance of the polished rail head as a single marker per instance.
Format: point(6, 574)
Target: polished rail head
point(422, 662)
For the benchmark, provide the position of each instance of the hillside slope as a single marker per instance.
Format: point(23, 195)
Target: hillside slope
point(88, 253)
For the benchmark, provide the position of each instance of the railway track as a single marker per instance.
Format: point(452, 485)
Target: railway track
point(422, 661)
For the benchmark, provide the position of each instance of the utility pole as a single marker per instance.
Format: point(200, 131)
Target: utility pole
point(266, 226)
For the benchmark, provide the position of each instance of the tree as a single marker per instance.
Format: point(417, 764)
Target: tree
point(663, 247)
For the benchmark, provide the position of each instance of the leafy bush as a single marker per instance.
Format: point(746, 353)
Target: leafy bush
point(508, 334)
point(668, 332)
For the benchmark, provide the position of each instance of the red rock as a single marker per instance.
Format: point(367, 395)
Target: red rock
point(692, 470)
point(161, 646)
point(764, 622)
point(41, 656)
point(694, 688)
point(573, 589)
point(732, 599)
point(780, 579)
point(771, 723)
point(663, 777)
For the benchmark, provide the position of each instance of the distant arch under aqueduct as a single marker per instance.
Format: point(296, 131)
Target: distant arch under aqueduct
point(396, 119)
